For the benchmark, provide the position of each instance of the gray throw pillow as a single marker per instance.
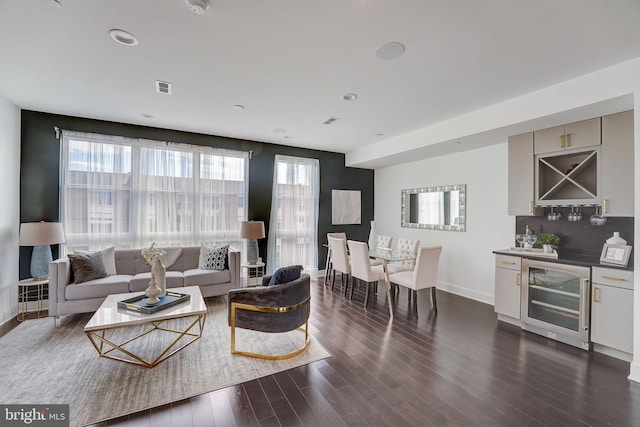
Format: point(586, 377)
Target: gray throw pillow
point(285, 275)
point(87, 267)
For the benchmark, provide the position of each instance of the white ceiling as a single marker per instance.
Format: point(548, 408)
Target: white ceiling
point(290, 61)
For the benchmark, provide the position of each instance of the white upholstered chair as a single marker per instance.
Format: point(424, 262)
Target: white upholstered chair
point(382, 242)
point(329, 265)
point(424, 275)
point(409, 246)
point(340, 261)
point(361, 267)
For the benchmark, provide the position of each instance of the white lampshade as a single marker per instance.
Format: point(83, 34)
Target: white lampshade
point(252, 230)
point(41, 233)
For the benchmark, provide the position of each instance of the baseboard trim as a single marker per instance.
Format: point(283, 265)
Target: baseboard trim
point(7, 326)
point(467, 293)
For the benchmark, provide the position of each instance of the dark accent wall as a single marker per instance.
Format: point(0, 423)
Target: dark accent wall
point(40, 168)
point(578, 239)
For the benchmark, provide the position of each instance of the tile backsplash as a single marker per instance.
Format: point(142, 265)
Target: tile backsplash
point(578, 238)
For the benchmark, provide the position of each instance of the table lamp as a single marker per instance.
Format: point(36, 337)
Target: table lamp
point(252, 230)
point(41, 235)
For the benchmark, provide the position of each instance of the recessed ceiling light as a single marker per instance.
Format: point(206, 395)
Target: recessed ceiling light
point(147, 115)
point(280, 130)
point(350, 96)
point(56, 3)
point(389, 51)
point(123, 37)
point(379, 134)
point(198, 7)
point(238, 107)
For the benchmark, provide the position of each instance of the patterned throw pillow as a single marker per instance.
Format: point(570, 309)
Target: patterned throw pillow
point(213, 257)
point(87, 267)
point(285, 275)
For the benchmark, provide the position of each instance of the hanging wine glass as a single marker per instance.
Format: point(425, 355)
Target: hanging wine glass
point(598, 218)
point(553, 216)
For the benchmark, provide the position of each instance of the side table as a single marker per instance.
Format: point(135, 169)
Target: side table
point(30, 289)
point(255, 272)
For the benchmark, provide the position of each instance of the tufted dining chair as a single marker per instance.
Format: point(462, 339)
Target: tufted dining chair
point(424, 275)
point(329, 265)
point(407, 245)
point(361, 267)
point(382, 242)
point(340, 261)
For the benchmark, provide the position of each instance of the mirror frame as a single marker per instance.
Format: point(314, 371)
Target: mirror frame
point(462, 226)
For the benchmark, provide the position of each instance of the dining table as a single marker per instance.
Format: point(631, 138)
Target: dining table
point(387, 255)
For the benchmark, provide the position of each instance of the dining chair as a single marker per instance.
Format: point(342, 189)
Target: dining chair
point(361, 268)
point(381, 242)
point(424, 275)
point(340, 261)
point(407, 245)
point(329, 266)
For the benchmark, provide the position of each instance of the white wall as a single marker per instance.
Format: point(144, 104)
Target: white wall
point(9, 208)
point(467, 262)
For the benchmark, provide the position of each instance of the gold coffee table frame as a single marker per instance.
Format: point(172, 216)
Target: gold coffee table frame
point(109, 317)
point(105, 347)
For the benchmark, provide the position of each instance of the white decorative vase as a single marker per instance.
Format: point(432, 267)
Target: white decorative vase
point(159, 272)
point(372, 236)
point(616, 239)
point(548, 249)
point(152, 292)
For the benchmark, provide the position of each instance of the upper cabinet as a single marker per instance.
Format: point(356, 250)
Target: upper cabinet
point(583, 163)
point(573, 135)
point(617, 165)
point(521, 187)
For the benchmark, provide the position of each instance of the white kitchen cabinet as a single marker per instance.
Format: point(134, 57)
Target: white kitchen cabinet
point(585, 133)
point(521, 185)
point(612, 311)
point(508, 283)
point(617, 164)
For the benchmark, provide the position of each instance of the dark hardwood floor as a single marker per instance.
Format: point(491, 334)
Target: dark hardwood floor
point(457, 368)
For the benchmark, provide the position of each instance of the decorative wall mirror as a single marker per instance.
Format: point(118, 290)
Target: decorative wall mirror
point(437, 208)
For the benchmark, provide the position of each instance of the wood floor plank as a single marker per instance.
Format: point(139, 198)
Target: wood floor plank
point(459, 367)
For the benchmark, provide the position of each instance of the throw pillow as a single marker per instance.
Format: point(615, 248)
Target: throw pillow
point(285, 275)
point(87, 267)
point(108, 258)
point(213, 257)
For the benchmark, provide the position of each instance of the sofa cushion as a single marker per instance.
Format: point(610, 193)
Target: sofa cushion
point(98, 288)
point(108, 258)
point(213, 257)
point(87, 266)
point(140, 281)
point(200, 277)
point(285, 275)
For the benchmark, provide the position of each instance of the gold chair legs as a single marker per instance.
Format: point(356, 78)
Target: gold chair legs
point(238, 306)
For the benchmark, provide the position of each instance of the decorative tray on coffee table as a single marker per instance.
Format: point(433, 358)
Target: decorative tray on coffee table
point(139, 303)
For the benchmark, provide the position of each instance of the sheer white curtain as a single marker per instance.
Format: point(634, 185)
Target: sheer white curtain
point(128, 192)
point(293, 226)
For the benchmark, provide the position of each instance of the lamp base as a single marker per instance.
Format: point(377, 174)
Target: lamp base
point(40, 259)
point(252, 251)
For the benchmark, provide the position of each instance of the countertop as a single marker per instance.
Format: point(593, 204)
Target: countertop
point(564, 258)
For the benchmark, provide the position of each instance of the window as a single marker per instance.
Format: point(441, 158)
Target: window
point(130, 192)
point(293, 227)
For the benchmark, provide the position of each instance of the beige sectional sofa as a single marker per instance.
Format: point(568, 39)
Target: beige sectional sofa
point(134, 274)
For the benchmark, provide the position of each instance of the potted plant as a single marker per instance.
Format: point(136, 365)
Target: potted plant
point(549, 242)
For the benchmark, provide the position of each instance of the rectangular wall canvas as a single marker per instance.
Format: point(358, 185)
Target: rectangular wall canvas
point(345, 207)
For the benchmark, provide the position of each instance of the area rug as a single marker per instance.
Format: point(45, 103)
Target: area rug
point(42, 364)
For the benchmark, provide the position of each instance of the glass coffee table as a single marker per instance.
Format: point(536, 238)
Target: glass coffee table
point(146, 339)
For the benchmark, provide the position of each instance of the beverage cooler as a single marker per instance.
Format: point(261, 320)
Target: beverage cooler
point(555, 301)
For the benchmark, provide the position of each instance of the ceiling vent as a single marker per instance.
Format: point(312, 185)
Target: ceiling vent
point(163, 87)
point(329, 120)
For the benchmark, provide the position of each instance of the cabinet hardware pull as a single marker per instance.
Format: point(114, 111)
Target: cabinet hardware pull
point(619, 279)
point(567, 140)
point(530, 206)
point(517, 279)
point(508, 262)
point(605, 208)
point(595, 295)
point(561, 141)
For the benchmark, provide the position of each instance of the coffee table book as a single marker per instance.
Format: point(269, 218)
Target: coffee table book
point(139, 303)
